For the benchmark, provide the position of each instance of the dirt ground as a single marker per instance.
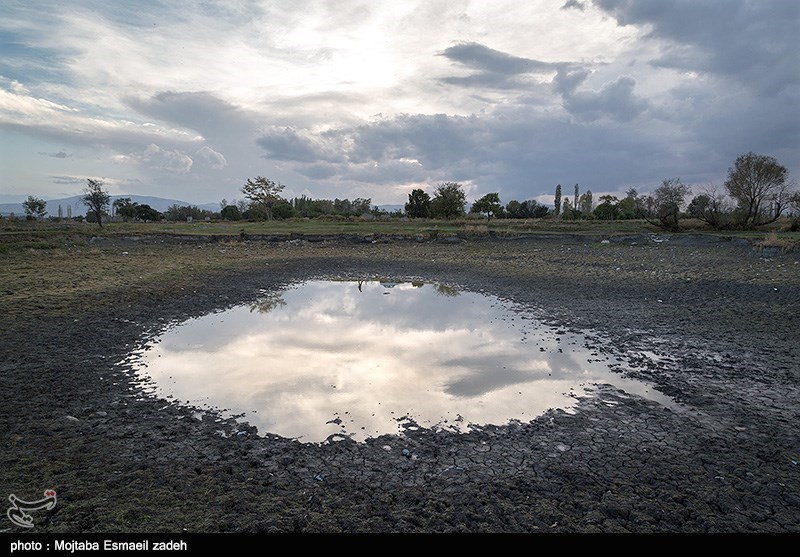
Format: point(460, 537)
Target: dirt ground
point(723, 318)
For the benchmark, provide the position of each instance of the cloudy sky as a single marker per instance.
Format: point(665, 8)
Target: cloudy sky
point(371, 99)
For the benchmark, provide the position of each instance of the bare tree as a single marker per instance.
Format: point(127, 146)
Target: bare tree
point(795, 203)
point(712, 207)
point(663, 208)
point(96, 199)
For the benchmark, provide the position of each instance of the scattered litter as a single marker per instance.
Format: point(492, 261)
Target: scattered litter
point(406, 453)
point(71, 419)
point(241, 433)
point(387, 448)
point(318, 478)
point(124, 253)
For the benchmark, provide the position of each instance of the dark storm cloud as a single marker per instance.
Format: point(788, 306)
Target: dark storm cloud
point(517, 152)
point(756, 43)
point(483, 58)
point(494, 69)
point(288, 145)
point(747, 57)
point(614, 100)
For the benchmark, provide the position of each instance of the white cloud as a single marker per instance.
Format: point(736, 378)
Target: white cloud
point(155, 157)
point(211, 157)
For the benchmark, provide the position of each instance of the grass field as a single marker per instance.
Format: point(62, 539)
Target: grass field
point(62, 268)
point(14, 231)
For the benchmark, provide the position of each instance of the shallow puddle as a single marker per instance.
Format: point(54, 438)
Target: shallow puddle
point(363, 358)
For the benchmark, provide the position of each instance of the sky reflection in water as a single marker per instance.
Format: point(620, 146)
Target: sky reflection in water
point(327, 357)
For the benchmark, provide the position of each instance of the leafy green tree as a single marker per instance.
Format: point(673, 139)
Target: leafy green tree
point(514, 209)
point(418, 205)
point(530, 209)
point(96, 199)
point(758, 184)
point(448, 201)
point(489, 205)
point(586, 203)
point(283, 210)
point(557, 201)
point(535, 209)
point(608, 208)
point(566, 209)
point(145, 212)
point(576, 200)
point(361, 205)
point(263, 193)
point(125, 208)
point(177, 212)
point(230, 212)
point(627, 205)
point(35, 208)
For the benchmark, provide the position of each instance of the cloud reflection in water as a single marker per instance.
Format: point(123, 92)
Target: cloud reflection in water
point(368, 353)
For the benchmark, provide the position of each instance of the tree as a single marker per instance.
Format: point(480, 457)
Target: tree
point(283, 210)
point(418, 205)
point(35, 208)
point(586, 203)
point(488, 204)
point(230, 212)
point(711, 207)
point(361, 205)
point(96, 199)
point(608, 208)
point(566, 210)
point(795, 203)
point(124, 207)
point(627, 205)
point(526, 210)
point(177, 212)
point(145, 212)
point(535, 209)
point(448, 201)
point(576, 199)
point(264, 193)
point(557, 200)
point(663, 208)
point(758, 185)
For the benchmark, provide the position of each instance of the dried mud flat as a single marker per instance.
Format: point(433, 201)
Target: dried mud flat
point(722, 321)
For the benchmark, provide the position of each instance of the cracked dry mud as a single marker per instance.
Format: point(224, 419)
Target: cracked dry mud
point(723, 322)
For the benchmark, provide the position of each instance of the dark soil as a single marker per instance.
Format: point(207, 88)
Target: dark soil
point(724, 320)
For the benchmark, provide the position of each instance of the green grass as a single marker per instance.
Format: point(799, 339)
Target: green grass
point(35, 232)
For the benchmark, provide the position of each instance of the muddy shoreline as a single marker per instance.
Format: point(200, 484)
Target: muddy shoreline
point(725, 461)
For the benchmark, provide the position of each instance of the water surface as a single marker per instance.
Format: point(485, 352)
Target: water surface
point(358, 358)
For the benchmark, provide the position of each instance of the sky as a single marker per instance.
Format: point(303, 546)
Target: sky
point(187, 100)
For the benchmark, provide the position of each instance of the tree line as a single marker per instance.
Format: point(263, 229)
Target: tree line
point(757, 191)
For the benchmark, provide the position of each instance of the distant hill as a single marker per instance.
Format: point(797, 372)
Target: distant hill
point(79, 209)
